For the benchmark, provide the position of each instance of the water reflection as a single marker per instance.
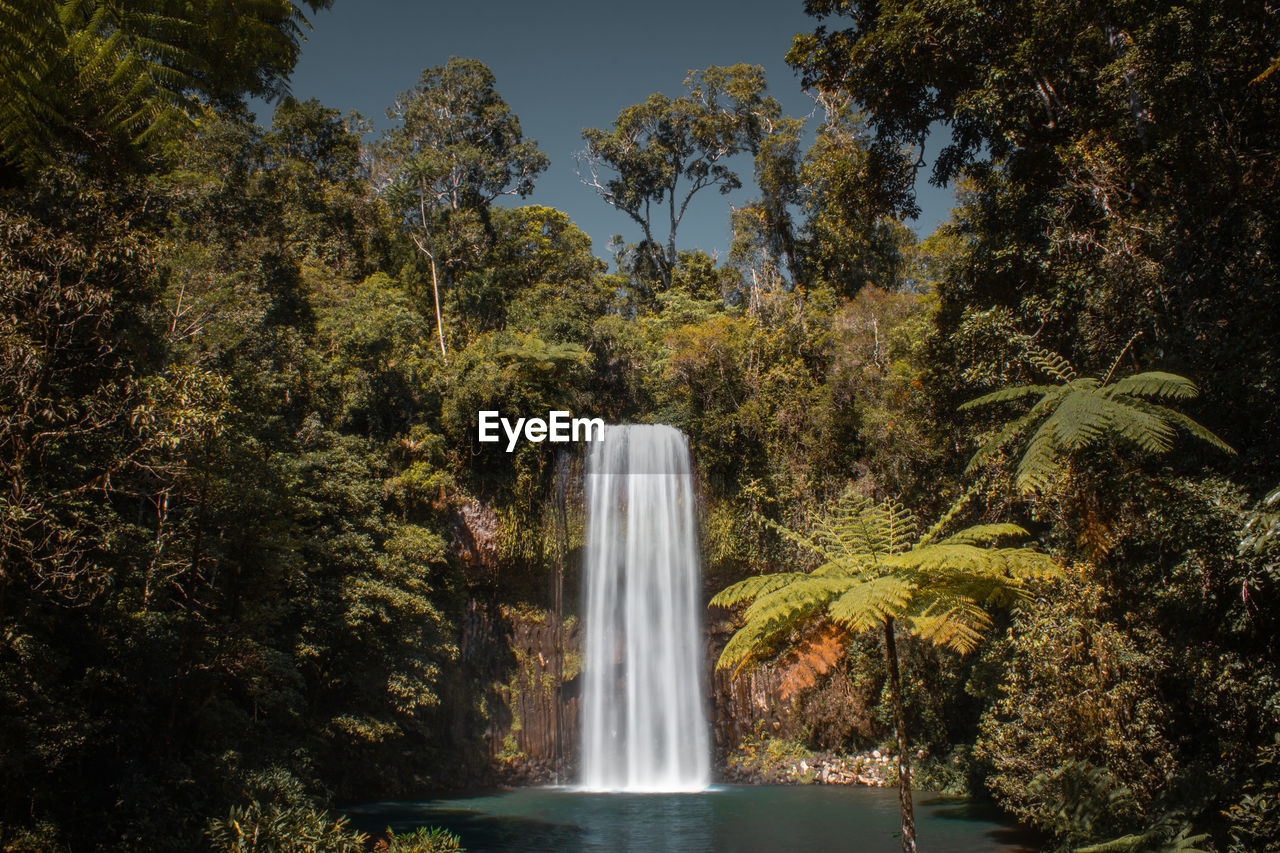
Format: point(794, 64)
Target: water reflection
point(722, 820)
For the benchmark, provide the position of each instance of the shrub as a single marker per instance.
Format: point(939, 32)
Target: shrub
point(283, 829)
point(425, 839)
point(1080, 716)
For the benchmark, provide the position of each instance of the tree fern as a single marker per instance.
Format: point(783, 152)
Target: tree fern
point(877, 571)
point(876, 567)
point(112, 77)
point(542, 356)
point(92, 74)
point(1081, 412)
point(1168, 834)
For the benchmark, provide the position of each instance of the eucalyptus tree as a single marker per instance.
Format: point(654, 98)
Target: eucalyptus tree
point(664, 151)
point(876, 573)
point(457, 147)
point(853, 190)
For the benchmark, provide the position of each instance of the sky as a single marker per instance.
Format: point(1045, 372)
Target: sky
point(563, 65)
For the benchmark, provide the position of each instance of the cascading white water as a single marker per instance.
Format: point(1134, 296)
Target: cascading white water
point(644, 723)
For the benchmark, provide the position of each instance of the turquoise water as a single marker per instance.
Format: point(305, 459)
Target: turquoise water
point(728, 819)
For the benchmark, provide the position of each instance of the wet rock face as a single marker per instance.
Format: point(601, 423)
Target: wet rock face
point(533, 728)
point(474, 530)
point(534, 738)
point(749, 704)
point(543, 696)
point(534, 731)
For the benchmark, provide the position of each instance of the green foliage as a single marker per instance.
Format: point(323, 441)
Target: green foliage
point(1262, 531)
point(1166, 835)
point(1254, 821)
point(458, 145)
point(422, 840)
point(876, 567)
point(111, 80)
point(312, 158)
point(1100, 197)
point(1078, 802)
point(274, 829)
point(1082, 412)
point(851, 241)
point(770, 759)
point(1077, 742)
point(126, 60)
point(664, 151)
point(43, 838)
point(245, 516)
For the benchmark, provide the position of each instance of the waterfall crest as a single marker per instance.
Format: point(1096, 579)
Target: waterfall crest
point(644, 721)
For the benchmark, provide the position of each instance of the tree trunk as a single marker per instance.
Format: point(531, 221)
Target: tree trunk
point(904, 758)
point(435, 289)
point(157, 548)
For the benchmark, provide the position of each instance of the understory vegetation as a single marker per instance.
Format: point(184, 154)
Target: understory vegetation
point(250, 544)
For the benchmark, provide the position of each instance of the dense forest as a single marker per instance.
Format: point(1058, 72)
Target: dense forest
point(241, 365)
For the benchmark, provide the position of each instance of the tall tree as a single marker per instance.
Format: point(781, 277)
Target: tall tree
point(1121, 167)
point(875, 573)
point(853, 190)
point(315, 171)
point(457, 148)
point(666, 150)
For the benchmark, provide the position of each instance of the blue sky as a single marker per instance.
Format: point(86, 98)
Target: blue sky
point(563, 66)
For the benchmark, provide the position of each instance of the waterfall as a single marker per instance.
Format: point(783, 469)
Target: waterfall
point(644, 724)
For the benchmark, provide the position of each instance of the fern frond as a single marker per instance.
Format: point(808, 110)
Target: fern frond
point(1009, 431)
point(1080, 420)
point(1151, 841)
point(752, 588)
point(811, 657)
point(858, 525)
point(980, 533)
point(1006, 394)
point(94, 72)
point(1038, 461)
point(1115, 365)
point(947, 517)
point(951, 621)
point(772, 616)
point(1177, 418)
point(790, 602)
point(1155, 384)
point(805, 542)
point(1144, 425)
point(970, 562)
point(1051, 363)
point(847, 566)
point(1084, 411)
point(866, 604)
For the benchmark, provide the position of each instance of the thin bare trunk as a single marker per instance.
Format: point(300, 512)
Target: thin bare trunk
point(435, 283)
point(435, 289)
point(904, 758)
point(157, 548)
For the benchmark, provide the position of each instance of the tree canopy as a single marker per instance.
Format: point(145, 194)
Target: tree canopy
point(666, 150)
